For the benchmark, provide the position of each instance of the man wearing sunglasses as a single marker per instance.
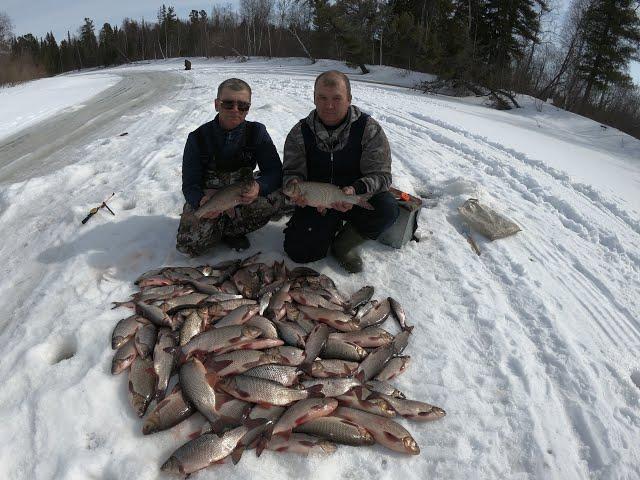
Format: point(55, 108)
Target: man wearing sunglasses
point(222, 152)
point(339, 144)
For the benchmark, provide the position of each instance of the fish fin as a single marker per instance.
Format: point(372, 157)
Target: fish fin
point(363, 202)
point(236, 455)
point(360, 376)
point(358, 392)
point(231, 213)
point(315, 391)
point(212, 378)
point(159, 395)
point(262, 443)
point(409, 329)
point(252, 423)
point(217, 365)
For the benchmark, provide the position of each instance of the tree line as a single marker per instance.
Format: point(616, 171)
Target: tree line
point(481, 45)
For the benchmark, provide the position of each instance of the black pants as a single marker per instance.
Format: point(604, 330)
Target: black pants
point(309, 234)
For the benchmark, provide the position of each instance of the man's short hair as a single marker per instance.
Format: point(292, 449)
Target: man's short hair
point(331, 79)
point(234, 84)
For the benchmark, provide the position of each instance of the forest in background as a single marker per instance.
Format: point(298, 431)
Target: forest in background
point(489, 47)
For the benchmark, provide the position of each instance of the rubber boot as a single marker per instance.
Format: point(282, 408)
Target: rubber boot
point(239, 243)
point(344, 248)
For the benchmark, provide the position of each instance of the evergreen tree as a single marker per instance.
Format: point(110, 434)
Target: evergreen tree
point(88, 44)
point(611, 35)
point(108, 45)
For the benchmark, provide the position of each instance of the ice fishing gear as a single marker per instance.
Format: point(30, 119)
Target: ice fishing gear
point(94, 210)
point(487, 221)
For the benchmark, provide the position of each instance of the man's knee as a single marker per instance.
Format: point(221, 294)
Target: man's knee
point(308, 235)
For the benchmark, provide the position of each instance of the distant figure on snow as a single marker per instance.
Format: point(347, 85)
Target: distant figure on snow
point(224, 152)
point(337, 144)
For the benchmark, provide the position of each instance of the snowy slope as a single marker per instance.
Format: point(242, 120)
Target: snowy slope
point(531, 348)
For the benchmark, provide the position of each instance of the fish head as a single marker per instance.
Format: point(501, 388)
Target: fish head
point(291, 189)
point(173, 465)
point(410, 445)
point(251, 332)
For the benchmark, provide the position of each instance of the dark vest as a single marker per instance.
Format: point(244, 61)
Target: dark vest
point(341, 167)
point(219, 171)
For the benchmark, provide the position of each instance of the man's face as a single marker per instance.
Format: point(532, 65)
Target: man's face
point(332, 103)
point(230, 105)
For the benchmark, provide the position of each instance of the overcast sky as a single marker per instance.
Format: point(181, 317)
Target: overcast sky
point(41, 16)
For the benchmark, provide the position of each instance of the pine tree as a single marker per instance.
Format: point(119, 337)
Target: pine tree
point(88, 44)
point(611, 34)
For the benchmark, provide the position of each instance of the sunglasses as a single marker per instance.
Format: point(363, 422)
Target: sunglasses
point(229, 104)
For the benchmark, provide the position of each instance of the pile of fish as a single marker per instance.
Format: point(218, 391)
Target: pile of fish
point(272, 358)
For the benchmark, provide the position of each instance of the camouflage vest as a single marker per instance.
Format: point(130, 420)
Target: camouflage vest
point(244, 161)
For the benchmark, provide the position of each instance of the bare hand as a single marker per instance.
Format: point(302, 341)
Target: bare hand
point(207, 196)
point(211, 215)
point(249, 196)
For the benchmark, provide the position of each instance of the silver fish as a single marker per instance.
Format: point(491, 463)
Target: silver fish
point(328, 368)
point(268, 328)
point(385, 388)
point(384, 430)
point(203, 451)
point(288, 355)
point(156, 315)
point(259, 390)
point(332, 387)
point(197, 388)
point(371, 337)
point(239, 361)
point(360, 297)
point(216, 339)
point(398, 313)
point(393, 368)
point(291, 333)
point(126, 329)
point(317, 194)
point(302, 444)
point(142, 384)
point(314, 345)
point(124, 357)
point(361, 399)
point(145, 340)
point(278, 298)
point(335, 348)
point(376, 315)
point(192, 326)
point(264, 302)
point(251, 344)
point(312, 299)
point(237, 316)
point(337, 430)
point(168, 413)
point(225, 200)
point(374, 362)
point(163, 360)
point(283, 374)
point(414, 410)
point(338, 320)
point(302, 412)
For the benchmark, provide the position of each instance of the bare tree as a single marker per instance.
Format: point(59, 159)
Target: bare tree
point(6, 33)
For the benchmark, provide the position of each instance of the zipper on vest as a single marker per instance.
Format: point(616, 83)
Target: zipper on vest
point(331, 180)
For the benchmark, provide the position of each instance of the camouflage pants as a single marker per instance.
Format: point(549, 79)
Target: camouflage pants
point(196, 236)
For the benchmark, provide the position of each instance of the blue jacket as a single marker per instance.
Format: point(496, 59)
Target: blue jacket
point(223, 146)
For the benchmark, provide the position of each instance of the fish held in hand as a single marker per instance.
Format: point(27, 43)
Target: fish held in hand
point(324, 195)
point(224, 200)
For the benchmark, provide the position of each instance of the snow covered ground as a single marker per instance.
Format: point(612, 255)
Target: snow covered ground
point(531, 348)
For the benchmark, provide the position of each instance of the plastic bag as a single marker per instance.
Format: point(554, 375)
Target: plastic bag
point(486, 221)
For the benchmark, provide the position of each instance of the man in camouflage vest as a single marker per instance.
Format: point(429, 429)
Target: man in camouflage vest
point(338, 144)
point(223, 151)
